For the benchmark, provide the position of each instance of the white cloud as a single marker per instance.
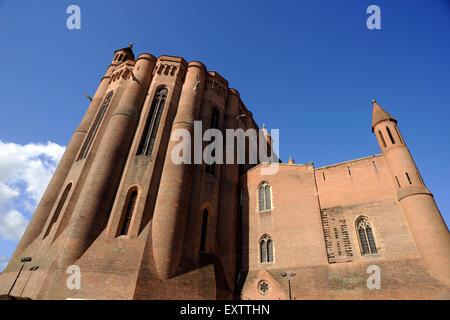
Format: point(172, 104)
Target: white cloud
point(25, 171)
point(12, 225)
point(3, 262)
point(6, 192)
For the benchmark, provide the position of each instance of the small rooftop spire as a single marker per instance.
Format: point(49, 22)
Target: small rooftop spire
point(130, 45)
point(291, 160)
point(379, 114)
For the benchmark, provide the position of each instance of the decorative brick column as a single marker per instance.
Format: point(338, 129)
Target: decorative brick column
point(40, 216)
point(171, 209)
point(99, 189)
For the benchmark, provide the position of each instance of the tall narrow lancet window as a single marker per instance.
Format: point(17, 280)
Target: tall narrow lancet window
point(152, 124)
point(382, 138)
point(214, 124)
point(365, 235)
point(409, 179)
point(263, 251)
point(94, 128)
point(264, 195)
point(390, 135)
point(266, 249)
point(398, 134)
point(267, 197)
point(130, 204)
point(58, 209)
point(204, 230)
point(269, 250)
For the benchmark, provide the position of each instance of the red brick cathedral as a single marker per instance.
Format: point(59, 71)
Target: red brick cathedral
point(139, 226)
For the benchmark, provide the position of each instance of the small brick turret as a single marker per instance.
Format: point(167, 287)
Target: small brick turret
point(424, 219)
point(123, 55)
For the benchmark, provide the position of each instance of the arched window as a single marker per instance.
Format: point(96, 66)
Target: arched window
point(264, 195)
point(214, 124)
point(130, 204)
point(166, 71)
point(382, 138)
point(365, 236)
point(390, 135)
point(269, 250)
point(95, 126)
point(151, 127)
point(58, 209)
point(172, 72)
point(266, 249)
point(204, 230)
point(215, 114)
point(263, 251)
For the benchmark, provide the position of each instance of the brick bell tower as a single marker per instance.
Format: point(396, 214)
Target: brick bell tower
point(425, 222)
point(136, 224)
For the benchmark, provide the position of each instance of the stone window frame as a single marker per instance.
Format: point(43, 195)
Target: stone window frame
point(123, 212)
point(95, 126)
point(358, 221)
point(153, 121)
point(266, 237)
point(262, 292)
point(58, 213)
point(264, 184)
point(214, 123)
point(209, 224)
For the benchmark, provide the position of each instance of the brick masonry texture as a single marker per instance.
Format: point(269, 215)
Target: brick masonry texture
point(195, 234)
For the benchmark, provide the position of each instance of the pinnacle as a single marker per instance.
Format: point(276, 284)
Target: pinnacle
point(379, 114)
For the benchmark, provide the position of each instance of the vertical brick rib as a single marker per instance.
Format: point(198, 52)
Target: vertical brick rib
point(56, 183)
point(227, 227)
point(171, 209)
point(99, 189)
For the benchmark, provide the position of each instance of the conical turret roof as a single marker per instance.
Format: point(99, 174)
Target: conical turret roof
point(379, 114)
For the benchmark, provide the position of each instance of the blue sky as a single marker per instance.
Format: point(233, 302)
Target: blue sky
point(308, 68)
